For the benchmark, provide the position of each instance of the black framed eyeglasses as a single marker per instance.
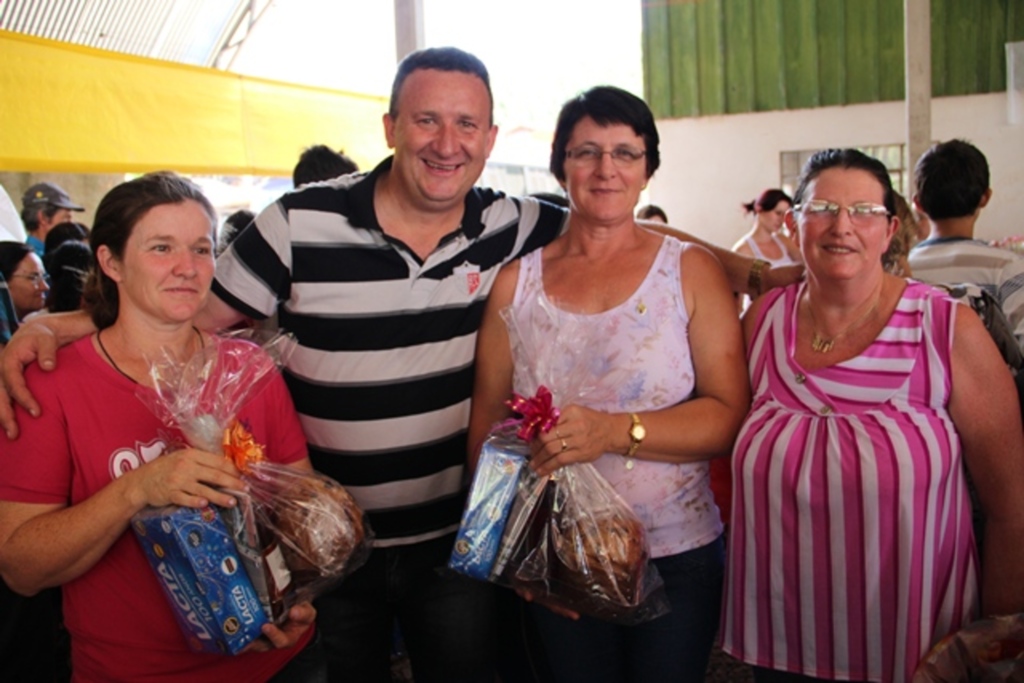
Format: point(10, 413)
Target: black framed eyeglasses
point(591, 155)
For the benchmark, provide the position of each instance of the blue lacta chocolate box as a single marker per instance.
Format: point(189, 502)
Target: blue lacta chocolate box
point(479, 540)
point(196, 563)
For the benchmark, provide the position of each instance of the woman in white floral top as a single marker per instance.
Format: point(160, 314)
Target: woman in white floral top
point(671, 384)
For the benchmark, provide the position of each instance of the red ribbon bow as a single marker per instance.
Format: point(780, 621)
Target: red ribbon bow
point(539, 415)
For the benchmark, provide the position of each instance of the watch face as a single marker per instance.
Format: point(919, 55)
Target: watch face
point(637, 432)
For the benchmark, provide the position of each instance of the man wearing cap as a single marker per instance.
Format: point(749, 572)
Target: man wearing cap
point(44, 205)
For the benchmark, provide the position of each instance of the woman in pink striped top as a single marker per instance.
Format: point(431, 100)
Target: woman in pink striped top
point(852, 551)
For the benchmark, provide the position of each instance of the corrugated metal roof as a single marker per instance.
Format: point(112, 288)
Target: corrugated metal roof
point(186, 31)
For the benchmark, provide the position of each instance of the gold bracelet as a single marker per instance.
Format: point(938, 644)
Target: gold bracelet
point(754, 282)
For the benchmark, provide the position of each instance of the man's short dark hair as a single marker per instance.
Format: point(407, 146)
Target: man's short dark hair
point(951, 179)
point(233, 227)
point(649, 212)
point(320, 162)
point(440, 59)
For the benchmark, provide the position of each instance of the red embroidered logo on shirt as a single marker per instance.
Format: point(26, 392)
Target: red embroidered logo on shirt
point(471, 273)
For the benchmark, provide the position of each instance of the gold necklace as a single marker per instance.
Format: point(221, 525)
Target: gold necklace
point(820, 344)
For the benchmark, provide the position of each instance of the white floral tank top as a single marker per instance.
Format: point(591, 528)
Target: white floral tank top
point(636, 358)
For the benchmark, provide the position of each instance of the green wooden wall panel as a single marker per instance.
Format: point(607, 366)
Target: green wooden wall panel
point(686, 74)
point(990, 34)
point(711, 53)
point(939, 46)
point(861, 51)
point(962, 53)
point(769, 37)
point(801, 54)
point(992, 47)
point(739, 60)
point(891, 60)
point(705, 57)
point(1014, 22)
point(658, 60)
point(831, 53)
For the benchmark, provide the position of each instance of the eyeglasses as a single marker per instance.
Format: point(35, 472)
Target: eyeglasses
point(591, 155)
point(861, 213)
point(35, 278)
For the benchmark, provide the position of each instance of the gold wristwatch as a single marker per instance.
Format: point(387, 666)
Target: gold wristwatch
point(636, 435)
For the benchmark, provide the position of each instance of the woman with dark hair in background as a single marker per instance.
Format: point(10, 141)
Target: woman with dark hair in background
point(61, 233)
point(26, 278)
point(69, 265)
point(766, 239)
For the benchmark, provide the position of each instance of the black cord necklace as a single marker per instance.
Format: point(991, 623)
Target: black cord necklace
point(99, 340)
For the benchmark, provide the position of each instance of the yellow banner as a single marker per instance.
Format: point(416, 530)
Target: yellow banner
point(72, 109)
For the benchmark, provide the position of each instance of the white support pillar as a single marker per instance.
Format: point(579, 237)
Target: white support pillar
point(917, 42)
point(408, 27)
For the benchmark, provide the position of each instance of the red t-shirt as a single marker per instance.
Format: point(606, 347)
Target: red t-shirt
point(91, 429)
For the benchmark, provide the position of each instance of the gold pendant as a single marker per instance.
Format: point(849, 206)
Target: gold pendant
point(822, 345)
point(629, 463)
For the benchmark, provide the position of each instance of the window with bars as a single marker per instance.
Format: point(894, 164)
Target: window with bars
point(893, 156)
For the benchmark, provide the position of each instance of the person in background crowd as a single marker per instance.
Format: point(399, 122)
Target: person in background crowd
point(69, 265)
point(8, 318)
point(68, 488)
point(851, 550)
point(663, 312)
point(383, 278)
point(766, 239)
point(320, 162)
point(233, 226)
point(45, 205)
point(951, 188)
point(650, 212)
point(64, 232)
point(26, 278)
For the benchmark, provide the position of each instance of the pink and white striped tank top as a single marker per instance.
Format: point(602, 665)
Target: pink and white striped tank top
point(851, 550)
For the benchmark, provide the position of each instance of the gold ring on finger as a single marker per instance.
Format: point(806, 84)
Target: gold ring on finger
point(565, 446)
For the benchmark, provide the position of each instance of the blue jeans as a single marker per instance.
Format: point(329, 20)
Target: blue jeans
point(446, 620)
point(309, 666)
point(672, 648)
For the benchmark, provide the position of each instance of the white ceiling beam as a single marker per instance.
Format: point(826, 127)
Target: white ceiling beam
point(408, 27)
point(917, 45)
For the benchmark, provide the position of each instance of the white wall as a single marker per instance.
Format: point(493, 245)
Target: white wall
point(711, 165)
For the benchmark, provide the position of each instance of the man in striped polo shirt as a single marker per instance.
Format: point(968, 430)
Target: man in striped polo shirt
point(382, 277)
point(952, 187)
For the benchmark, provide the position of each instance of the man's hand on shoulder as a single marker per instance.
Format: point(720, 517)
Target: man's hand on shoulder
point(35, 341)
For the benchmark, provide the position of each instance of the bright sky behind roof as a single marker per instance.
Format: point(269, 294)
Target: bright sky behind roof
point(539, 52)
